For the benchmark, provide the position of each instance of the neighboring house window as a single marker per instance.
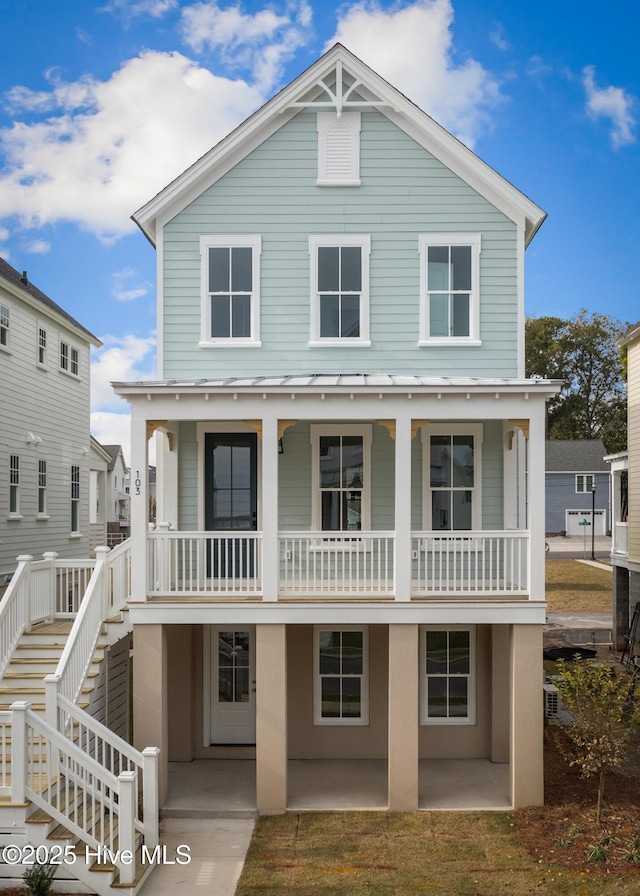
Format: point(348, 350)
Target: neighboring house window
point(341, 477)
point(4, 326)
point(64, 356)
point(451, 461)
point(449, 288)
point(42, 346)
point(340, 289)
point(341, 685)
point(75, 498)
point(69, 358)
point(42, 487)
point(73, 362)
point(447, 675)
point(14, 485)
point(584, 482)
point(338, 149)
point(230, 290)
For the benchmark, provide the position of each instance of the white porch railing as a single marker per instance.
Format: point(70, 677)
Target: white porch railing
point(322, 563)
point(205, 563)
point(493, 563)
point(620, 542)
point(5, 753)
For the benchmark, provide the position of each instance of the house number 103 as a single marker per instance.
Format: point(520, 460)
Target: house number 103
point(137, 482)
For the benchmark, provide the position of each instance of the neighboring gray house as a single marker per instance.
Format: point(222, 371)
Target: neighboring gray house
point(99, 460)
point(117, 498)
point(44, 434)
point(573, 467)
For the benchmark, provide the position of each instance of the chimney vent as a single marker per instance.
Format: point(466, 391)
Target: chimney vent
point(24, 278)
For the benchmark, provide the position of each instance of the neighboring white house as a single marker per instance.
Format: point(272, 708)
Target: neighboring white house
point(99, 460)
point(44, 436)
point(345, 565)
point(117, 495)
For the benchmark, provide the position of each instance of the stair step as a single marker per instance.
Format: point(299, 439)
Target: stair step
point(35, 676)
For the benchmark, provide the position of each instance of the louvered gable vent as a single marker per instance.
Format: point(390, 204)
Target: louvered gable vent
point(338, 148)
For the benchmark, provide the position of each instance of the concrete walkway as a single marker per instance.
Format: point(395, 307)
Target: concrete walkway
point(217, 847)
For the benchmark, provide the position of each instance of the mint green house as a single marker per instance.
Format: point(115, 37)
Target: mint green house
point(347, 573)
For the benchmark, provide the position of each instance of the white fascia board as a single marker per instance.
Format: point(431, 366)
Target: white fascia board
point(277, 112)
point(458, 612)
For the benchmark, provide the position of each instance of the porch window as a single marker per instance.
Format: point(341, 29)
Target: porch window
point(341, 688)
point(75, 499)
point(341, 478)
point(449, 287)
point(14, 485)
point(340, 289)
point(452, 472)
point(447, 671)
point(230, 290)
point(584, 483)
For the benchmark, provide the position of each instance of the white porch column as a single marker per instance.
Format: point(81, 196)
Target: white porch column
point(536, 503)
point(527, 723)
point(510, 476)
point(271, 718)
point(269, 491)
point(403, 508)
point(167, 475)
point(139, 507)
point(402, 760)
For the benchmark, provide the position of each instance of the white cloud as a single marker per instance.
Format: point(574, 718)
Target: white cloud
point(261, 42)
point(498, 38)
point(38, 247)
point(613, 103)
point(130, 8)
point(121, 359)
point(127, 286)
point(412, 47)
point(110, 428)
point(109, 146)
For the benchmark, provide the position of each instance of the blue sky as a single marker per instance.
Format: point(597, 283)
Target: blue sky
point(102, 104)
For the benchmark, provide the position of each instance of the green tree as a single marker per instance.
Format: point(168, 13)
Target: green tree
point(605, 718)
point(583, 352)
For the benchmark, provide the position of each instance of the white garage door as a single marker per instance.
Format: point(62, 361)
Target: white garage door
point(577, 517)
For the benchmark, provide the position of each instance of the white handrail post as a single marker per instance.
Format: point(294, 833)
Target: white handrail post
point(128, 797)
point(150, 795)
point(19, 751)
point(51, 700)
point(26, 559)
point(51, 557)
point(100, 570)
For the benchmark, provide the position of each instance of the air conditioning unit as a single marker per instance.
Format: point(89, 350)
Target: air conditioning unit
point(552, 701)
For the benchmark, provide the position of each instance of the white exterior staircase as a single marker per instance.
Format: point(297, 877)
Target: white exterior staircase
point(70, 789)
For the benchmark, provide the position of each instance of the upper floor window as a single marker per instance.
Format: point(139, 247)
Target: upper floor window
point(69, 358)
point(452, 470)
point(584, 483)
point(4, 326)
point(340, 289)
point(230, 268)
point(74, 366)
point(42, 346)
point(449, 288)
point(341, 477)
point(14, 485)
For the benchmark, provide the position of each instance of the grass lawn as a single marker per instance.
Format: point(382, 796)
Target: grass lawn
point(387, 854)
point(574, 587)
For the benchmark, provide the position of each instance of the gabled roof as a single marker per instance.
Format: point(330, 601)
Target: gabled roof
point(21, 285)
point(575, 456)
point(339, 80)
point(113, 451)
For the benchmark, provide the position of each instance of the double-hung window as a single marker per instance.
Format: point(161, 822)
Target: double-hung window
point(42, 346)
point(452, 472)
point(447, 675)
point(74, 361)
point(341, 676)
point(341, 477)
point(75, 499)
point(14, 485)
point(449, 288)
point(42, 488)
point(340, 289)
point(230, 270)
point(584, 483)
point(4, 326)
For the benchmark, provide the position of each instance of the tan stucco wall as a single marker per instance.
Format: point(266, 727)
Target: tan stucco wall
point(309, 741)
point(180, 691)
point(465, 741)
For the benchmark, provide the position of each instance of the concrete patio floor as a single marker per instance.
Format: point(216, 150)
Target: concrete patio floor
point(218, 788)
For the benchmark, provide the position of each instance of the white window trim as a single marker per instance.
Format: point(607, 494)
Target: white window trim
point(14, 514)
point(6, 347)
point(452, 429)
point(67, 370)
point(222, 241)
point(450, 239)
point(584, 476)
point(337, 429)
point(42, 490)
point(470, 718)
point(44, 363)
point(349, 177)
point(341, 239)
point(317, 690)
point(75, 533)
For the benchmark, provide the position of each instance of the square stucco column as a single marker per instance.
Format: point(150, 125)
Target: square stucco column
point(527, 724)
point(150, 722)
point(500, 692)
point(403, 718)
point(271, 719)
